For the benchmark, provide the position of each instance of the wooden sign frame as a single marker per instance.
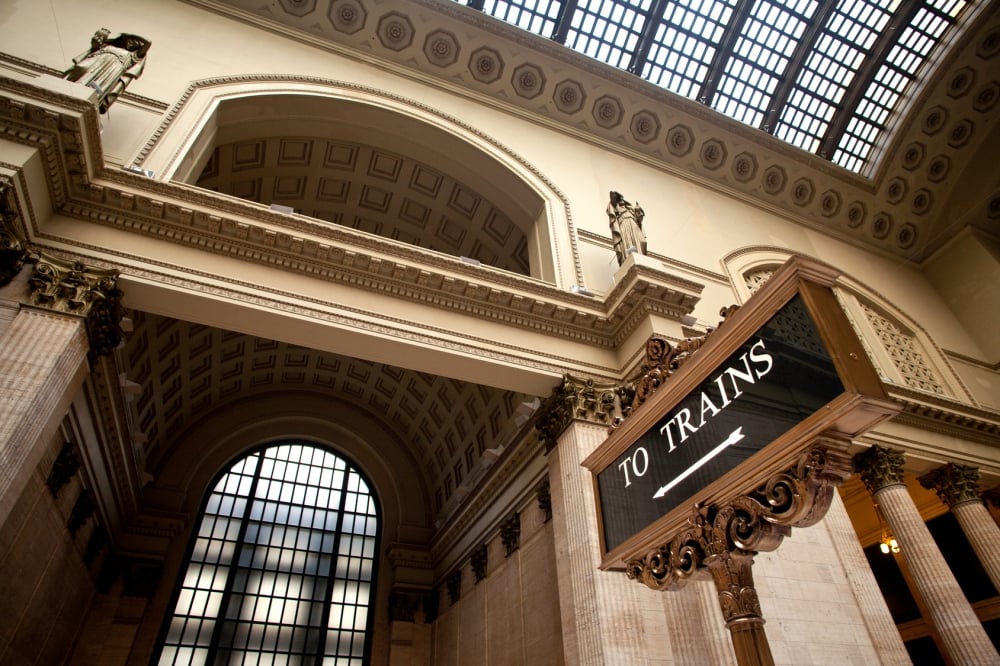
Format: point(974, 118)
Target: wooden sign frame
point(862, 404)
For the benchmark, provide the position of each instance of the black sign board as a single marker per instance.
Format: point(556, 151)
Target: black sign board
point(785, 369)
point(781, 375)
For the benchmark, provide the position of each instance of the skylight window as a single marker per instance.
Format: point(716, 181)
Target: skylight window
point(826, 77)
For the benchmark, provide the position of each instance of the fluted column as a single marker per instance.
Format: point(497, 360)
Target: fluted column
point(885, 639)
point(956, 485)
point(961, 632)
point(606, 618)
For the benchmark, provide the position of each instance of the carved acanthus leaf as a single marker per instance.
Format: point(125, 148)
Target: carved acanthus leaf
point(577, 399)
point(75, 288)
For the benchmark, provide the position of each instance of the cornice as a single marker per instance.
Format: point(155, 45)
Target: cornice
point(936, 413)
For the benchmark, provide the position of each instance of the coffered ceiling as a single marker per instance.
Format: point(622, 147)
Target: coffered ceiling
point(372, 190)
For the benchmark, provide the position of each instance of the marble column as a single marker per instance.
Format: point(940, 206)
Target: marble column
point(606, 618)
point(961, 632)
point(956, 485)
point(71, 312)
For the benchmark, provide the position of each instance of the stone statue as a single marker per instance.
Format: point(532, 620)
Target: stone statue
point(626, 227)
point(109, 65)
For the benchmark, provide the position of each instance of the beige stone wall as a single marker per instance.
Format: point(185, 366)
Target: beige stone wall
point(45, 588)
point(512, 616)
point(806, 597)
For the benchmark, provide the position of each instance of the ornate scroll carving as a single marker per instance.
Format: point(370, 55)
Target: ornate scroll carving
point(74, 288)
point(577, 399)
point(12, 251)
point(662, 361)
point(63, 468)
point(953, 483)
point(796, 497)
point(478, 560)
point(510, 533)
point(879, 468)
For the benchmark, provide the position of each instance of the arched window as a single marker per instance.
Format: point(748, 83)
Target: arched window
point(281, 568)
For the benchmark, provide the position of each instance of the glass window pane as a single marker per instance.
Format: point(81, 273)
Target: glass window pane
point(262, 556)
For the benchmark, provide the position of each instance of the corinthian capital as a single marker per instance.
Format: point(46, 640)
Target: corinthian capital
point(879, 467)
point(953, 483)
point(577, 399)
point(77, 289)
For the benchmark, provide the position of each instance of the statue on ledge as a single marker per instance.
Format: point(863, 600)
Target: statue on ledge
point(109, 65)
point(626, 227)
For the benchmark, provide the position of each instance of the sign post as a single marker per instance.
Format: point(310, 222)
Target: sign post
point(745, 440)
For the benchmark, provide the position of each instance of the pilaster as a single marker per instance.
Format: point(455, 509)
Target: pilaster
point(606, 619)
point(961, 633)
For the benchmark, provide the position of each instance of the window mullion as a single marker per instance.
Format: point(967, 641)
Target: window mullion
point(227, 592)
point(331, 579)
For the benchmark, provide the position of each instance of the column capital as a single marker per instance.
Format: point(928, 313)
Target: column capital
point(77, 289)
point(577, 399)
point(953, 483)
point(880, 467)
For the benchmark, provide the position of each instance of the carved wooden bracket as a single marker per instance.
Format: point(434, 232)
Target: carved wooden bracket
point(662, 360)
point(724, 539)
point(797, 497)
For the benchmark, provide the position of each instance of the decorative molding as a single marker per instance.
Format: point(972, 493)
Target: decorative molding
point(479, 559)
point(83, 509)
point(544, 496)
point(953, 483)
point(879, 467)
point(453, 583)
point(403, 605)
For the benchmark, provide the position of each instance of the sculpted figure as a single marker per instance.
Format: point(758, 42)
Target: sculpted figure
point(109, 65)
point(626, 227)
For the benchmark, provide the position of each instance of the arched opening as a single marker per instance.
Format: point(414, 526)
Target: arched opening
point(281, 566)
point(402, 174)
